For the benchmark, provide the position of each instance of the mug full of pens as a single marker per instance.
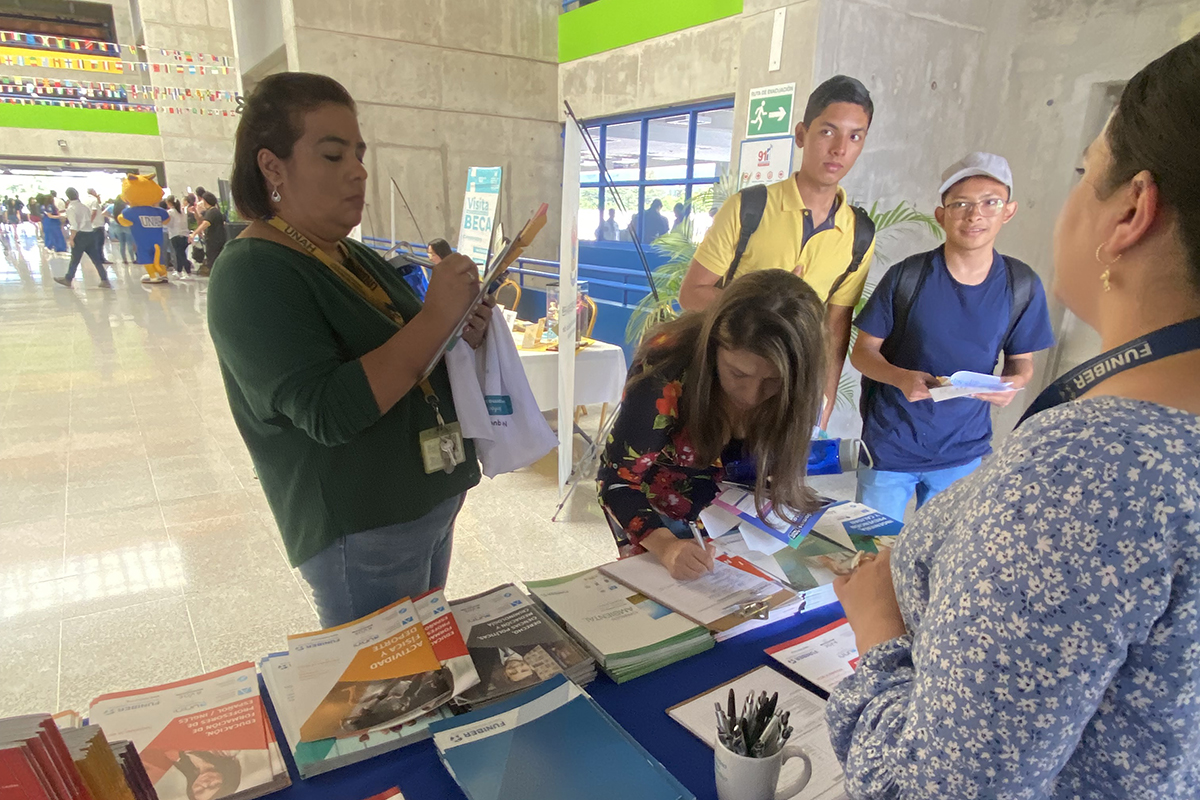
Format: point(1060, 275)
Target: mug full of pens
point(751, 748)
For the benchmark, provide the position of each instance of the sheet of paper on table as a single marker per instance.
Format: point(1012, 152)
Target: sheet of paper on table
point(807, 719)
point(826, 656)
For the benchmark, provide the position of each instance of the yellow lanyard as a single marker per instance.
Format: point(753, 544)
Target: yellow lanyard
point(363, 283)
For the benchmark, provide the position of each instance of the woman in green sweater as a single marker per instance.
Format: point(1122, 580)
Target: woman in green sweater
point(321, 346)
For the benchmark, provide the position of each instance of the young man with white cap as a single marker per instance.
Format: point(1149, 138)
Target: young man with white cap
point(951, 309)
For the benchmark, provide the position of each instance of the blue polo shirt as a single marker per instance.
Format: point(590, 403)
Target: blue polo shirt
point(951, 327)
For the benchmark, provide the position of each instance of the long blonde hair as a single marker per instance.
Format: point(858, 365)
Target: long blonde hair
point(778, 317)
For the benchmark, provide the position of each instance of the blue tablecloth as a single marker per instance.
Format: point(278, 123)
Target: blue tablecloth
point(639, 705)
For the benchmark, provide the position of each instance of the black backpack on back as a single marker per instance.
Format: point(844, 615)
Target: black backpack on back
point(911, 275)
point(754, 203)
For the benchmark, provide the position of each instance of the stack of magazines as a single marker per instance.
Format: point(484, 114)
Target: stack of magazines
point(515, 645)
point(352, 692)
point(207, 736)
point(626, 632)
point(112, 771)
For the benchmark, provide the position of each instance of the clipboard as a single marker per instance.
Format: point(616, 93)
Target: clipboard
point(495, 269)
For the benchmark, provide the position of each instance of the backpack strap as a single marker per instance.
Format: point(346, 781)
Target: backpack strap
point(864, 234)
point(911, 274)
point(754, 204)
point(1021, 283)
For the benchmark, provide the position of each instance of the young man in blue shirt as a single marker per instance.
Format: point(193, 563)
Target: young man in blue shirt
point(933, 314)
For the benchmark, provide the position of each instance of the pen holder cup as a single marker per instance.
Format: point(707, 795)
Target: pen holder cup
point(744, 778)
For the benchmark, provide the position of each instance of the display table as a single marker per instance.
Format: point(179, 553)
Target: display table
point(639, 706)
point(599, 374)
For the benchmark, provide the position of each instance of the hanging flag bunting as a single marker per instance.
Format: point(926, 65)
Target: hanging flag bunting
point(138, 52)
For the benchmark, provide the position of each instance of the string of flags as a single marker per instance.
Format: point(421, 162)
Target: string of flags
point(118, 106)
point(13, 57)
point(58, 88)
point(112, 49)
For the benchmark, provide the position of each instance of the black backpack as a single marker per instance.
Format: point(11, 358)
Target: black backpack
point(911, 275)
point(754, 203)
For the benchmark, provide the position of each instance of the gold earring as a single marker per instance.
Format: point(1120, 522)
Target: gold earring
point(1104, 278)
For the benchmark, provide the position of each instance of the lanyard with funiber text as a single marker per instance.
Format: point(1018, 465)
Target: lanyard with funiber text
point(441, 447)
point(1182, 337)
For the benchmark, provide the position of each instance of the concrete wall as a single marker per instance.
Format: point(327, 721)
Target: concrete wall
point(691, 65)
point(447, 85)
point(197, 149)
point(1062, 64)
point(259, 28)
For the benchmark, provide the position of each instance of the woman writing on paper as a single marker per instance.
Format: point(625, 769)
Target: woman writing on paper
point(741, 379)
point(321, 346)
point(1035, 633)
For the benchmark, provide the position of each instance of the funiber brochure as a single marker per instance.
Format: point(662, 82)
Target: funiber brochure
point(826, 656)
point(376, 670)
point(206, 735)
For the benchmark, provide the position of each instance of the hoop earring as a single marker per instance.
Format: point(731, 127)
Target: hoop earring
point(275, 194)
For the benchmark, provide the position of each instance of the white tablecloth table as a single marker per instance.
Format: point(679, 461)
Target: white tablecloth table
point(599, 374)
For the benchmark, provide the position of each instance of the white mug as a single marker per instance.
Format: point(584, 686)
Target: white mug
point(744, 778)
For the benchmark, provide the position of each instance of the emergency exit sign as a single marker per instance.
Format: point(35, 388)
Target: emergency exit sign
point(770, 110)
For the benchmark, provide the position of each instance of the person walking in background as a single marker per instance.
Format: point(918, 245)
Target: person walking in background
point(1034, 632)
point(933, 314)
point(100, 237)
point(655, 225)
point(803, 224)
point(52, 226)
point(322, 345)
point(122, 235)
point(79, 217)
point(177, 232)
point(680, 216)
point(609, 230)
point(212, 228)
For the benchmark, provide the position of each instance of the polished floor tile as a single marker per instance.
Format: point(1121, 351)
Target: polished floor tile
point(135, 539)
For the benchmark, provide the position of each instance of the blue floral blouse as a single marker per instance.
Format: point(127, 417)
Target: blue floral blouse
point(1053, 607)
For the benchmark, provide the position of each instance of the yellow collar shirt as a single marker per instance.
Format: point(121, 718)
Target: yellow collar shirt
point(781, 242)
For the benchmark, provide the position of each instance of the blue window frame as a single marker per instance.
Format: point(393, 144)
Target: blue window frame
point(667, 155)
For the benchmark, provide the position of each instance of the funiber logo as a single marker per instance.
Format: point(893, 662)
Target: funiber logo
point(470, 733)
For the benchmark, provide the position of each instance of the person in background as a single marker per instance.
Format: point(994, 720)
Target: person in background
point(177, 232)
point(741, 379)
point(1034, 633)
point(609, 230)
point(52, 226)
point(655, 225)
point(79, 217)
point(680, 216)
point(438, 249)
point(933, 314)
point(121, 234)
point(99, 219)
point(212, 227)
point(807, 227)
point(325, 389)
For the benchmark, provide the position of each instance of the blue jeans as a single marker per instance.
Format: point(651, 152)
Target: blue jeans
point(889, 492)
point(364, 572)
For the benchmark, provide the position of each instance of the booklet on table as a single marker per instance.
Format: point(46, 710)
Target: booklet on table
point(626, 632)
point(825, 657)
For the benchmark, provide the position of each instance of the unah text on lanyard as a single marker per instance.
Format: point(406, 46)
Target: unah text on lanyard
point(1173, 340)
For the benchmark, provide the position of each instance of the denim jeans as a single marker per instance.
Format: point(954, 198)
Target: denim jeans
point(85, 242)
point(889, 492)
point(366, 571)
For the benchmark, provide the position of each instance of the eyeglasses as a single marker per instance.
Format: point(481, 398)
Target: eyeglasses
point(987, 208)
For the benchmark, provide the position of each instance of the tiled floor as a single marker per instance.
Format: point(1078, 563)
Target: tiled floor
point(135, 544)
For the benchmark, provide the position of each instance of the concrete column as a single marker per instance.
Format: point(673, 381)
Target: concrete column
point(442, 86)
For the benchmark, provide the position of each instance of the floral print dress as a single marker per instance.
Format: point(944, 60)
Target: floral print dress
point(1052, 601)
point(648, 471)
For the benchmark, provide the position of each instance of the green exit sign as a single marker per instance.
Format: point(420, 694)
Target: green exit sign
point(770, 112)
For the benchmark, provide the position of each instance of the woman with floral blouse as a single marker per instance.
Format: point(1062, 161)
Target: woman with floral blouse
point(740, 380)
point(1037, 631)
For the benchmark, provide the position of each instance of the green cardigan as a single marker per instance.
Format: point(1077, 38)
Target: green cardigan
point(289, 334)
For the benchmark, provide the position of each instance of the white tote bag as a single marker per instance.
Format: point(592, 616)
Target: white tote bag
point(494, 403)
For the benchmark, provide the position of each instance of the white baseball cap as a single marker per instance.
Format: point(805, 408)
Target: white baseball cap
point(989, 165)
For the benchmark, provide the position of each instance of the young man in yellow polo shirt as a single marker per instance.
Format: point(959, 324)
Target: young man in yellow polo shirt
point(807, 226)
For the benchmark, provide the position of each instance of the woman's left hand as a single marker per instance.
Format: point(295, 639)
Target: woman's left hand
point(477, 324)
point(869, 600)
